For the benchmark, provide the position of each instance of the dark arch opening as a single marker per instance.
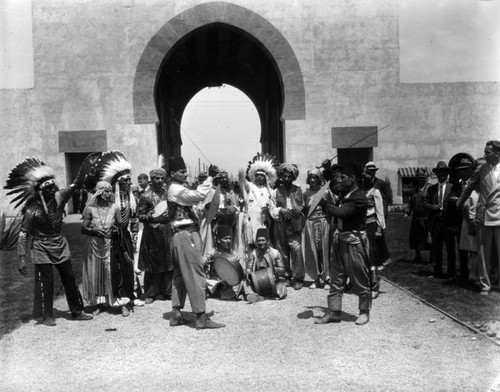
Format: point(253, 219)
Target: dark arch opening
point(209, 56)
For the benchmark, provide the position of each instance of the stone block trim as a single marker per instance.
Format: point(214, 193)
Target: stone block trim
point(217, 12)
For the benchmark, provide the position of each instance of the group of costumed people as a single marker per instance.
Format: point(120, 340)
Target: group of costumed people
point(208, 241)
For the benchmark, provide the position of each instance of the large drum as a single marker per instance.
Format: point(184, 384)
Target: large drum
point(229, 270)
point(263, 283)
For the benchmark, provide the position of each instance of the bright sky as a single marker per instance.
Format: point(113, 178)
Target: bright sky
point(220, 126)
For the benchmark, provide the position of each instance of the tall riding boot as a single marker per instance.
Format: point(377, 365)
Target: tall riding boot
point(364, 317)
point(333, 313)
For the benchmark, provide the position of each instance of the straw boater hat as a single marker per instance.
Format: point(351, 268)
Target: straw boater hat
point(371, 166)
point(441, 167)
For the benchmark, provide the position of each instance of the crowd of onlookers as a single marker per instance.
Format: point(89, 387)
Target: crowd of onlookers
point(460, 213)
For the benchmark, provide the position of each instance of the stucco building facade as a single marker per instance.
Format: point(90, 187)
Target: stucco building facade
point(324, 76)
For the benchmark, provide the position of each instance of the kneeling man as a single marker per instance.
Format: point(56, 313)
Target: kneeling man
point(265, 257)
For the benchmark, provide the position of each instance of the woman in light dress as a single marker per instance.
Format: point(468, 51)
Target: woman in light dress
point(100, 279)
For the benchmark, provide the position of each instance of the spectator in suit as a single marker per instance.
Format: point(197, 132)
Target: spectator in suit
point(436, 204)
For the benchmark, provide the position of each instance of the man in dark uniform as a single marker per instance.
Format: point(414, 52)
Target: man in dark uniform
point(154, 254)
point(351, 249)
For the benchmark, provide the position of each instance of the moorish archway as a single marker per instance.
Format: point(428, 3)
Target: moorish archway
point(208, 45)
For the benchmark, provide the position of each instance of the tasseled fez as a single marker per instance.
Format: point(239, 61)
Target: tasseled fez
point(224, 231)
point(262, 232)
point(176, 164)
point(158, 173)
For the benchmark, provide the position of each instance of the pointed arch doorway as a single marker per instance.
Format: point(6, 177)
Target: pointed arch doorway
point(211, 56)
point(213, 44)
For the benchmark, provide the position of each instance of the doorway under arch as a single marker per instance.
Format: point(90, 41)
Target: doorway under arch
point(208, 45)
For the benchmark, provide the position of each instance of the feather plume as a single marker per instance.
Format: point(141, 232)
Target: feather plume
point(24, 179)
point(266, 163)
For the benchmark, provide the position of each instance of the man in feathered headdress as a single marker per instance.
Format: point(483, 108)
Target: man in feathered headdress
point(286, 208)
point(113, 167)
point(43, 207)
point(189, 272)
point(116, 170)
point(262, 174)
point(154, 255)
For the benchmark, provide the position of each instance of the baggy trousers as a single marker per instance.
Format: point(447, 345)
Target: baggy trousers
point(349, 262)
point(290, 246)
point(189, 273)
point(44, 289)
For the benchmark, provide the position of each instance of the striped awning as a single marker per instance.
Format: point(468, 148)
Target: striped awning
point(406, 172)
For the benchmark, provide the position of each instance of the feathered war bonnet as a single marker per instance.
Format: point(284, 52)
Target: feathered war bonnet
point(264, 164)
point(110, 166)
point(27, 180)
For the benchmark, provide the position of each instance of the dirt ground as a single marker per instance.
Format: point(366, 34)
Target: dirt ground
point(270, 345)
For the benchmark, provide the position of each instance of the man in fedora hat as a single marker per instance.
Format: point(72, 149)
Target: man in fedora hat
point(436, 203)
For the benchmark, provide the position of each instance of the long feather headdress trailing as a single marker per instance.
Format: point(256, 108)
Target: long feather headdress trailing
point(25, 179)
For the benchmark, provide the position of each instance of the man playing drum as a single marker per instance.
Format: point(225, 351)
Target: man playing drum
point(264, 269)
point(223, 268)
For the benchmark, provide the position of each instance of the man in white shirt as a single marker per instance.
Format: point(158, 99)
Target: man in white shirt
point(487, 178)
point(189, 272)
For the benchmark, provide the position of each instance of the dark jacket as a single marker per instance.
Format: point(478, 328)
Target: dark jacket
point(351, 210)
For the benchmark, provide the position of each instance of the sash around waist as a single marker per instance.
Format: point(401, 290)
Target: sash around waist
point(45, 237)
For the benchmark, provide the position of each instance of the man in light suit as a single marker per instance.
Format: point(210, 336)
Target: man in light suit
point(487, 178)
point(436, 203)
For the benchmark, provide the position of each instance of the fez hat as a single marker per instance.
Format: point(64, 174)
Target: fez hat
point(351, 169)
point(465, 163)
point(224, 231)
point(371, 166)
point(262, 232)
point(441, 167)
point(176, 164)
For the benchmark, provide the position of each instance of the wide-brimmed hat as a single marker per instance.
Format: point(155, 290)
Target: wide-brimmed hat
point(371, 166)
point(441, 167)
point(465, 163)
